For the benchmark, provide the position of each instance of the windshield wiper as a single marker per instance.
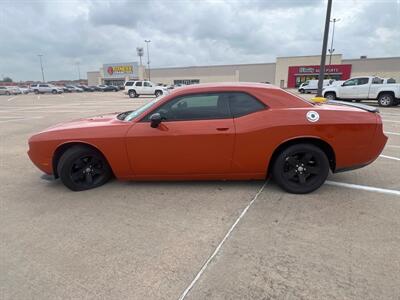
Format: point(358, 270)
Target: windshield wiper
point(123, 115)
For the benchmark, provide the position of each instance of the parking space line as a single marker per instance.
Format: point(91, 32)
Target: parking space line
point(364, 187)
point(20, 119)
point(11, 98)
point(392, 121)
point(389, 114)
point(390, 157)
point(392, 146)
point(391, 133)
point(204, 267)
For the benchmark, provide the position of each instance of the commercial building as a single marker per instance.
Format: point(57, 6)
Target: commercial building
point(286, 72)
point(114, 73)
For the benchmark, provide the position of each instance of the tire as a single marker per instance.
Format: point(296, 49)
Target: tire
point(358, 101)
point(8, 93)
point(36, 92)
point(330, 96)
point(132, 94)
point(158, 93)
point(81, 168)
point(301, 91)
point(385, 100)
point(54, 92)
point(301, 168)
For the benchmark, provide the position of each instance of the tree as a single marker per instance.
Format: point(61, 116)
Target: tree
point(7, 79)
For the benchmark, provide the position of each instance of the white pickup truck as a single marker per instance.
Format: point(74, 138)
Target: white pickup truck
point(136, 88)
point(365, 88)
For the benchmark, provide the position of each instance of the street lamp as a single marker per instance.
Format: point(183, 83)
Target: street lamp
point(331, 50)
point(140, 52)
point(148, 56)
point(79, 70)
point(41, 65)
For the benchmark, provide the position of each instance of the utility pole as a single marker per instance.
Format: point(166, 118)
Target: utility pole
point(331, 50)
point(324, 46)
point(79, 71)
point(148, 57)
point(41, 65)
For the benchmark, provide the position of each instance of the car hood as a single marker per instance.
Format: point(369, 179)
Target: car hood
point(95, 121)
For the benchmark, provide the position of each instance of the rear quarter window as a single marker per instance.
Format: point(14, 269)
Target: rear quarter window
point(243, 104)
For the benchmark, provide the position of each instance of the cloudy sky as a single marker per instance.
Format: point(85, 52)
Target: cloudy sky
point(184, 32)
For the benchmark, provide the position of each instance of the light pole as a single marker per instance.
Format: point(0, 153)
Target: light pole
point(79, 70)
point(41, 65)
point(331, 50)
point(324, 46)
point(148, 57)
point(139, 51)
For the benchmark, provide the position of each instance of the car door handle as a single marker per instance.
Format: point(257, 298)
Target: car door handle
point(223, 128)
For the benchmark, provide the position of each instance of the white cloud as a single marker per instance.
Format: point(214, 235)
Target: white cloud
point(184, 32)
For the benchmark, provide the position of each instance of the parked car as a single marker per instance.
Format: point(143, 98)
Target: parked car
point(136, 88)
point(311, 86)
point(24, 89)
point(214, 131)
point(9, 90)
point(41, 88)
point(95, 88)
point(73, 88)
point(86, 88)
point(67, 89)
point(364, 88)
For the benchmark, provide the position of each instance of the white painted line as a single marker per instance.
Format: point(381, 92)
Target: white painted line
point(38, 96)
point(204, 267)
point(383, 114)
point(20, 119)
point(391, 133)
point(12, 98)
point(390, 157)
point(364, 187)
point(393, 121)
point(392, 146)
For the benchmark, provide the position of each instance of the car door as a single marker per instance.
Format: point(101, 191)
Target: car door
point(195, 137)
point(348, 89)
point(139, 87)
point(148, 88)
point(362, 89)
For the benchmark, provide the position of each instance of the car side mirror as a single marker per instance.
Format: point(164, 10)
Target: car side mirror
point(155, 120)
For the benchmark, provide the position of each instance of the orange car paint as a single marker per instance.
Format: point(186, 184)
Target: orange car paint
point(237, 148)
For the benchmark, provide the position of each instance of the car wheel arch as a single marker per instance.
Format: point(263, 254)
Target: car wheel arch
point(323, 145)
point(65, 146)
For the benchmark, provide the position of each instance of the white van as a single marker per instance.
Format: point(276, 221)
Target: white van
point(311, 86)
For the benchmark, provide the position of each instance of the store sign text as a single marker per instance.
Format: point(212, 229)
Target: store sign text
point(128, 69)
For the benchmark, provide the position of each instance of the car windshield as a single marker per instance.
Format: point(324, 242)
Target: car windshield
point(128, 116)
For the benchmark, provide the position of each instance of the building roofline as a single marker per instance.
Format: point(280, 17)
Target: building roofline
point(299, 56)
point(373, 58)
point(212, 66)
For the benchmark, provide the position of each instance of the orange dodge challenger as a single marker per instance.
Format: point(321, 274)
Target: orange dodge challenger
point(226, 131)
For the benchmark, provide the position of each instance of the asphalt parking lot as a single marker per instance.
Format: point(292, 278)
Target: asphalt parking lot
point(192, 240)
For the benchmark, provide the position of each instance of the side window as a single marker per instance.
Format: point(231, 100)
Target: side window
point(243, 104)
point(146, 83)
point(350, 82)
point(42, 85)
point(129, 83)
point(362, 81)
point(195, 107)
point(139, 83)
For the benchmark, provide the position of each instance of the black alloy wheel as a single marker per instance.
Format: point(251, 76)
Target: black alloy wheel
point(82, 168)
point(158, 93)
point(301, 168)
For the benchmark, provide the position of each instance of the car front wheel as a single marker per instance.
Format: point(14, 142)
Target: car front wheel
point(158, 93)
point(81, 168)
point(301, 168)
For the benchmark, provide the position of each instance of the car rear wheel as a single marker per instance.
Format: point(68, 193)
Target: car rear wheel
point(386, 100)
point(8, 93)
point(132, 94)
point(54, 91)
point(301, 168)
point(330, 96)
point(158, 93)
point(81, 168)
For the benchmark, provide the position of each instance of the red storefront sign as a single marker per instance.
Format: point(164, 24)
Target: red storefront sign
point(341, 72)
